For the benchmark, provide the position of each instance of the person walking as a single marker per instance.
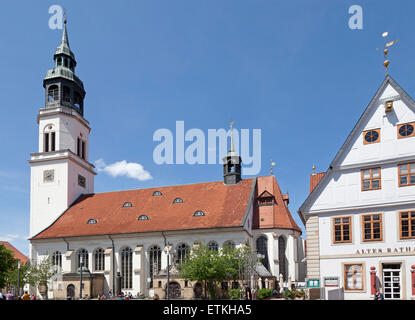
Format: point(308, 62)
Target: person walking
point(9, 296)
point(248, 292)
point(379, 295)
point(33, 297)
point(26, 296)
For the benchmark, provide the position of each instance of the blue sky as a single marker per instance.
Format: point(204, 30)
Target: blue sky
point(291, 68)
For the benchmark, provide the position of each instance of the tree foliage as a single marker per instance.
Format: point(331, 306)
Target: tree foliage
point(7, 262)
point(211, 267)
point(42, 272)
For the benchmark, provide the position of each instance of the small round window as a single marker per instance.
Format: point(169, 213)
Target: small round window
point(406, 130)
point(371, 136)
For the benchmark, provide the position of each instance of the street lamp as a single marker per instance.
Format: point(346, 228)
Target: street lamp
point(81, 265)
point(18, 278)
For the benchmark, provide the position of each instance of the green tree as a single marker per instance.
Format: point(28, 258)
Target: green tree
point(7, 262)
point(25, 276)
point(211, 267)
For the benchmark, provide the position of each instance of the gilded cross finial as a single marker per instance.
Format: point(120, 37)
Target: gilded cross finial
point(272, 164)
point(314, 169)
point(386, 51)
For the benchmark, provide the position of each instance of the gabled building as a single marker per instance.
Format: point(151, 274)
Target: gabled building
point(360, 213)
point(124, 234)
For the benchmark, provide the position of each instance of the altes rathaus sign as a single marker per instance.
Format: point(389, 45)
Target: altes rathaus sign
point(405, 249)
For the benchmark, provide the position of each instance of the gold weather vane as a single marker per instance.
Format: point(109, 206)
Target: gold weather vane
point(386, 50)
point(314, 169)
point(272, 164)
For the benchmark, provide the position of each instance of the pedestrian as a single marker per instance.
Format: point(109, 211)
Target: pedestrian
point(110, 294)
point(156, 297)
point(9, 296)
point(379, 295)
point(130, 295)
point(26, 296)
point(1, 296)
point(33, 297)
point(248, 292)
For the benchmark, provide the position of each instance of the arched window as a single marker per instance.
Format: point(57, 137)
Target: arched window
point(127, 268)
point(82, 253)
point(199, 213)
point(53, 93)
point(282, 257)
point(143, 217)
point(178, 200)
point(154, 262)
point(127, 204)
point(57, 259)
point(66, 94)
point(99, 259)
point(92, 221)
point(59, 61)
point(157, 193)
point(49, 139)
point(77, 100)
point(229, 244)
point(182, 251)
point(262, 248)
point(213, 245)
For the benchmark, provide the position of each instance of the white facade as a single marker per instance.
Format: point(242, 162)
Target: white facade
point(340, 194)
point(52, 194)
point(141, 244)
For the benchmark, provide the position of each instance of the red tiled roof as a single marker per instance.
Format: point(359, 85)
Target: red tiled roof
point(16, 253)
point(281, 216)
point(315, 179)
point(224, 206)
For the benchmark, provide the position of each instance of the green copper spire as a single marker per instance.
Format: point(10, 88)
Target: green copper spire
point(63, 47)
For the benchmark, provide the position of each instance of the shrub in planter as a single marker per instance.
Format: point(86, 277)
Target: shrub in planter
point(264, 293)
point(235, 294)
point(288, 294)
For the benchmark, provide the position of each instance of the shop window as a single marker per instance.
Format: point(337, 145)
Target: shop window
point(353, 277)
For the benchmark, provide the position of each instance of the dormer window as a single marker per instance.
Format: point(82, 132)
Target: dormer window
point(92, 221)
point(198, 213)
point(157, 193)
point(143, 217)
point(127, 205)
point(178, 200)
point(266, 199)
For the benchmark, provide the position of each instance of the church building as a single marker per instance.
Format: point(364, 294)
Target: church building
point(126, 236)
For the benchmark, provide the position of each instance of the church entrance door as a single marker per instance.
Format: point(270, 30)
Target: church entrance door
point(175, 291)
point(70, 291)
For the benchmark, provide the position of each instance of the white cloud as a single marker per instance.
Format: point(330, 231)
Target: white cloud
point(13, 237)
point(123, 168)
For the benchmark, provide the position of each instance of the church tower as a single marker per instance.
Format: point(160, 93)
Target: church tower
point(232, 165)
point(60, 170)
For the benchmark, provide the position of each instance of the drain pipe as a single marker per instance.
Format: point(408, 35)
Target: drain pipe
point(166, 245)
point(113, 265)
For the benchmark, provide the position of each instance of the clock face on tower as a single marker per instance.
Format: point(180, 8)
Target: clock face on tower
point(48, 175)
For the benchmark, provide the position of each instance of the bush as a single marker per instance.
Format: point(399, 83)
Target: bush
point(235, 294)
point(288, 294)
point(264, 293)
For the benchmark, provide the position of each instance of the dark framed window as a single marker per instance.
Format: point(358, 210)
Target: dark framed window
point(92, 221)
point(182, 251)
point(57, 259)
point(178, 200)
point(407, 224)
point(282, 257)
point(406, 130)
point(127, 204)
point(406, 174)
point(53, 93)
point(154, 262)
point(81, 181)
point(82, 253)
point(99, 258)
point(127, 268)
point(157, 193)
point(371, 179)
point(372, 227)
point(66, 94)
point(213, 245)
point(143, 217)
point(262, 248)
point(229, 244)
point(342, 229)
point(371, 136)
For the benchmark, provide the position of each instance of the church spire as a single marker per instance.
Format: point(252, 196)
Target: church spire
point(65, 40)
point(232, 163)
